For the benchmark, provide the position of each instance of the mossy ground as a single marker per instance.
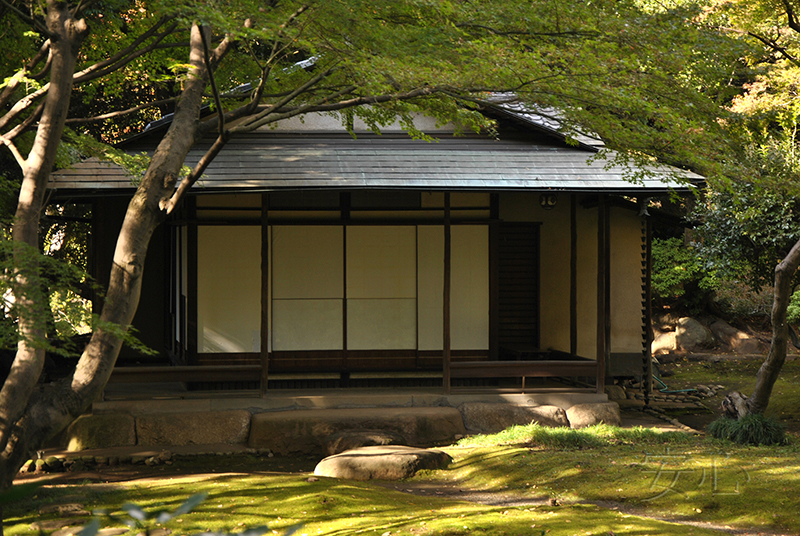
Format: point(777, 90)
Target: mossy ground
point(606, 480)
point(739, 374)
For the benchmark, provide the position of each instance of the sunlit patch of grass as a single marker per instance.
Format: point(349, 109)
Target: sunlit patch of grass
point(329, 506)
point(665, 474)
point(563, 438)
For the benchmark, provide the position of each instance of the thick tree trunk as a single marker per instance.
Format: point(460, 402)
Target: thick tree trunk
point(66, 37)
point(771, 368)
point(735, 404)
point(53, 407)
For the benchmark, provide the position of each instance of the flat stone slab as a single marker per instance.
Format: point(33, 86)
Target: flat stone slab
point(353, 439)
point(491, 418)
point(101, 431)
point(305, 431)
point(582, 415)
point(388, 462)
point(193, 428)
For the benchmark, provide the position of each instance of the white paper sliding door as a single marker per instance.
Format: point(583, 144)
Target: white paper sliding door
point(381, 287)
point(229, 289)
point(307, 287)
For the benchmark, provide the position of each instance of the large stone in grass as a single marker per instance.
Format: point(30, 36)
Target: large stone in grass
point(353, 439)
point(738, 341)
point(692, 335)
point(193, 428)
point(488, 417)
point(101, 431)
point(304, 431)
point(583, 415)
point(392, 462)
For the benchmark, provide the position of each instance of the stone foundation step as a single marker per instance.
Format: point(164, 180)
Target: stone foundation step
point(307, 431)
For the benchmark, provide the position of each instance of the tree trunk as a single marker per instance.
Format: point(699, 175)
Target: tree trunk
point(53, 407)
point(771, 368)
point(32, 308)
point(737, 406)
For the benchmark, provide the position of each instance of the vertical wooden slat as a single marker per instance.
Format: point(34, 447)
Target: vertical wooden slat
point(344, 200)
point(446, 298)
point(601, 377)
point(602, 250)
point(265, 284)
point(494, 290)
point(573, 275)
point(647, 299)
point(191, 279)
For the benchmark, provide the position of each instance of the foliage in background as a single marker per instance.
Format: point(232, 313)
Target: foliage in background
point(745, 233)
point(681, 279)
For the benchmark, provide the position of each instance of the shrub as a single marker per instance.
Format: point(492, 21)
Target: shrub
point(752, 429)
point(680, 277)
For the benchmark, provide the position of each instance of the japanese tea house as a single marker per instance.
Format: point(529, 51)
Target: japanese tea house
point(306, 257)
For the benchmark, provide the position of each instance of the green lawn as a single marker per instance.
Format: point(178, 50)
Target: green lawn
point(606, 480)
point(636, 475)
point(740, 375)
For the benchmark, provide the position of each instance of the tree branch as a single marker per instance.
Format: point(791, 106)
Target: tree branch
point(288, 98)
point(32, 21)
point(129, 53)
point(790, 15)
point(213, 82)
point(119, 113)
point(14, 151)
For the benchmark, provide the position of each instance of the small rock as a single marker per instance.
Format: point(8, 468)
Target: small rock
point(582, 415)
point(391, 462)
point(71, 509)
point(312, 479)
point(55, 524)
point(77, 466)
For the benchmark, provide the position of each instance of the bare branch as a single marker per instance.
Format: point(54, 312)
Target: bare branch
point(213, 82)
point(790, 15)
point(28, 19)
point(195, 174)
point(119, 113)
point(129, 53)
point(288, 98)
point(27, 123)
point(14, 151)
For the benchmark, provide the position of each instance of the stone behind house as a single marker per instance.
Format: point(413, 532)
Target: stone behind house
point(583, 415)
point(100, 431)
point(305, 431)
point(485, 417)
point(193, 428)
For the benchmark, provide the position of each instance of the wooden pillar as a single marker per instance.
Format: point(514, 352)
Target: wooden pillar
point(647, 311)
point(265, 281)
point(446, 298)
point(192, 336)
point(603, 295)
point(573, 275)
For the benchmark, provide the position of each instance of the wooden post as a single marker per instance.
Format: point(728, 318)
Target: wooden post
point(573, 275)
point(446, 298)
point(192, 335)
point(603, 264)
point(265, 280)
point(647, 300)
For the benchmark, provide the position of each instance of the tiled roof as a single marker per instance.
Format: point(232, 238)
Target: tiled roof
point(266, 161)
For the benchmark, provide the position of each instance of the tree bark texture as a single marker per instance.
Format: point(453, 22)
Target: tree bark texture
point(768, 373)
point(53, 407)
point(66, 36)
